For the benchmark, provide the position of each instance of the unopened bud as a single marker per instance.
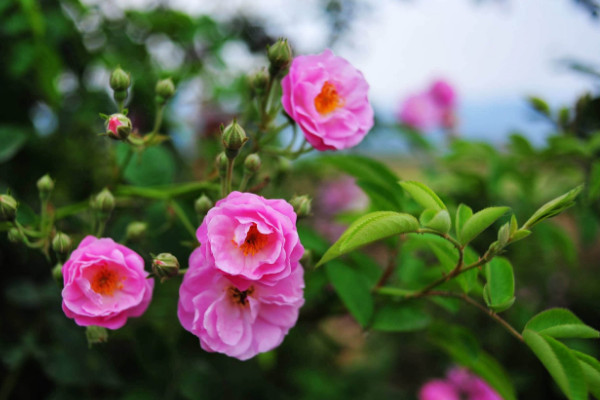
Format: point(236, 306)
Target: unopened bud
point(302, 205)
point(119, 80)
point(14, 235)
point(234, 137)
point(252, 163)
point(221, 164)
point(118, 127)
point(136, 230)
point(45, 185)
point(202, 205)
point(96, 334)
point(8, 208)
point(259, 81)
point(61, 243)
point(104, 201)
point(57, 274)
point(165, 266)
point(280, 56)
point(165, 89)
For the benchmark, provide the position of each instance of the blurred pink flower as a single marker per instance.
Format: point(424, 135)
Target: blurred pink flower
point(236, 316)
point(252, 237)
point(443, 93)
point(340, 195)
point(327, 97)
point(430, 109)
point(104, 284)
point(464, 385)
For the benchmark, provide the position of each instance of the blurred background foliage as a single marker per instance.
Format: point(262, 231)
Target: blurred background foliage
point(56, 57)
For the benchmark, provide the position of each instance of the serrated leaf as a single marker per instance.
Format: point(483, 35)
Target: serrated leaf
point(352, 288)
point(560, 362)
point(479, 222)
point(591, 371)
point(370, 228)
point(400, 317)
point(463, 213)
point(553, 207)
point(561, 323)
point(423, 195)
point(499, 291)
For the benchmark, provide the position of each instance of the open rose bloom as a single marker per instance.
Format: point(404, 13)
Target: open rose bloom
point(104, 284)
point(244, 286)
point(459, 384)
point(327, 97)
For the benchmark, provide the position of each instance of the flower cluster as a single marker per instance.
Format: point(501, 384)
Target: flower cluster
point(244, 286)
point(430, 109)
point(459, 384)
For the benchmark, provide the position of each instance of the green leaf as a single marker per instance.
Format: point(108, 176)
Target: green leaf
point(553, 207)
point(400, 317)
point(436, 220)
point(594, 184)
point(155, 166)
point(539, 105)
point(591, 370)
point(561, 323)
point(12, 138)
point(520, 234)
point(463, 213)
point(448, 257)
point(370, 228)
point(499, 291)
point(352, 288)
point(479, 222)
point(560, 363)
point(423, 195)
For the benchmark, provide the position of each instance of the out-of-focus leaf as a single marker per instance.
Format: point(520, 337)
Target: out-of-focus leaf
point(591, 370)
point(352, 288)
point(539, 105)
point(155, 166)
point(400, 317)
point(12, 139)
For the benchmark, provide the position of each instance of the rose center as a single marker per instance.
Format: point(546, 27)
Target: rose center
point(240, 296)
point(254, 241)
point(328, 100)
point(106, 281)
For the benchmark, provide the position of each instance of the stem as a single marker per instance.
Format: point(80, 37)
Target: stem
point(101, 226)
point(391, 264)
point(165, 192)
point(245, 180)
point(183, 218)
point(294, 135)
point(182, 271)
point(157, 121)
point(229, 177)
point(124, 164)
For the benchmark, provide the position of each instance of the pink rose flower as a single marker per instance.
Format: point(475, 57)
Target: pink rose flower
point(327, 97)
point(438, 390)
point(236, 316)
point(420, 112)
point(251, 237)
point(443, 94)
point(104, 284)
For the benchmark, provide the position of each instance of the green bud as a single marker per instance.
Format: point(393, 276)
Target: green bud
point(61, 243)
point(104, 201)
point(280, 56)
point(165, 266)
point(95, 335)
point(119, 80)
point(307, 258)
point(14, 235)
point(285, 165)
point(234, 137)
point(302, 205)
point(57, 274)
point(504, 234)
point(221, 164)
point(202, 205)
point(259, 81)
point(165, 89)
point(118, 127)
point(252, 163)
point(136, 230)
point(8, 208)
point(45, 185)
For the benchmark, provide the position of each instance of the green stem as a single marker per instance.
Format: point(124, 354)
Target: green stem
point(165, 192)
point(124, 164)
point(157, 121)
point(229, 177)
point(182, 271)
point(183, 218)
point(245, 179)
point(101, 227)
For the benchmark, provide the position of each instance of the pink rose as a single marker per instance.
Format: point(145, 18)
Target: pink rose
point(438, 390)
point(420, 112)
point(235, 316)
point(327, 97)
point(251, 237)
point(443, 94)
point(104, 284)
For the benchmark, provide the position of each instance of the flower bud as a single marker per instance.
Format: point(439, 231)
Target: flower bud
point(118, 127)
point(14, 235)
point(165, 266)
point(221, 164)
point(307, 258)
point(302, 205)
point(61, 243)
point(234, 138)
point(280, 56)
point(252, 163)
point(136, 230)
point(8, 208)
point(119, 80)
point(57, 274)
point(104, 201)
point(95, 335)
point(259, 81)
point(202, 205)
point(165, 89)
point(45, 185)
